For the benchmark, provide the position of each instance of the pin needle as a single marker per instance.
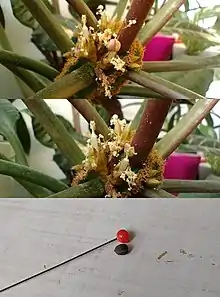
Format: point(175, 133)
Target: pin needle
point(57, 265)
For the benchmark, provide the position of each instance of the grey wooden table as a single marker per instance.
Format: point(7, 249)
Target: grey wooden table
point(35, 234)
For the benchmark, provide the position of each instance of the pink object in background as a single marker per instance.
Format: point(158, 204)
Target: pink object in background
point(182, 166)
point(160, 48)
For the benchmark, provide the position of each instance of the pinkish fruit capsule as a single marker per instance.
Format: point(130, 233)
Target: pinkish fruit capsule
point(114, 45)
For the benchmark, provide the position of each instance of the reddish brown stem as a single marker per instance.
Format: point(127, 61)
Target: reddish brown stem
point(138, 11)
point(149, 128)
point(112, 106)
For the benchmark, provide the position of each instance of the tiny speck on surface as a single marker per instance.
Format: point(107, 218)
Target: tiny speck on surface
point(161, 255)
point(45, 267)
point(182, 251)
point(121, 249)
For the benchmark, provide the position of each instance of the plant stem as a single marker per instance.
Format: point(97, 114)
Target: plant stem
point(7, 46)
point(30, 79)
point(76, 120)
point(82, 9)
point(30, 175)
point(91, 189)
point(55, 129)
point(160, 193)
point(35, 190)
point(164, 87)
point(136, 120)
point(138, 11)
point(148, 130)
point(13, 139)
point(68, 85)
point(90, 114)
point(138, 92)
point(181, 65)
point(13, 59)
point(50, 24)
point(185, 126)
point(191, 186)
point(56, 6)
point(159, 20)
point(120, 9)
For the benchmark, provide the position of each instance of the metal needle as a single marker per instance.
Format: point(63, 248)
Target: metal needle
point(57, 265)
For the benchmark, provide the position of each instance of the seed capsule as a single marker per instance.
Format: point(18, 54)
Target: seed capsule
point(123, 236)
point(121, 249)
point(114, 45)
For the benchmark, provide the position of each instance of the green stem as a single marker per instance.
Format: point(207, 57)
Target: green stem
point(201, 147)
point(144, 93)
point(138, 92)
point(13, 59)
point(56, 6)
point(35, 190)
point(181, 65)
point(68, 85)
point(30, 79)
point(164, 87)
point(17, 147)
point(138, 11)
point(82, 9)
point(90, 114)
point(159, 20)
point(49, 23)
point(55, 128)
point(191, 186)
point(185, 126)
point(160, 193)
point(120, 8)
point(136, 120)
point(91, 189)
point(7, 46)
point(30, 175)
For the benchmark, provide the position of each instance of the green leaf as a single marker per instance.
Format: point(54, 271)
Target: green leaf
point(103, 113)
point(23, 15)
point(43, 137)
point(195, 38)
point(186, 5)
point(207, 131)
point(23, 134)
point(175, 115)
point(214, 162)
point(205, 141)
point(9, 116)
point(2, 18)
point(63, 163)
point(197, 81)
point(206, 12)
point(41, 38)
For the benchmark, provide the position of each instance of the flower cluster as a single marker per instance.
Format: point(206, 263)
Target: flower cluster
point(110, 159)
point(101, 47)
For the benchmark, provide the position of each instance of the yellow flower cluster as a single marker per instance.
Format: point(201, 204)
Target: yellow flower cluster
point(109, 158)
point(101, 47)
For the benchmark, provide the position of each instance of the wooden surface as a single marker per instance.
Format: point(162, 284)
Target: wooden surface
point(37, 234)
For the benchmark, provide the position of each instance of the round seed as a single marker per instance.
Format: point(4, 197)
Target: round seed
point(123, 236)
point(121, 249)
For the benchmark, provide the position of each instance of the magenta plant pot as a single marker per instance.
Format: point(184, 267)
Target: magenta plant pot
point(182, 166)
point(160, 48)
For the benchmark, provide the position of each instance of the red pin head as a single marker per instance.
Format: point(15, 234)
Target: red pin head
point(123, 236)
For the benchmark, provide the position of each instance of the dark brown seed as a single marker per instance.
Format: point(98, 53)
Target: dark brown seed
point(121, 249)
